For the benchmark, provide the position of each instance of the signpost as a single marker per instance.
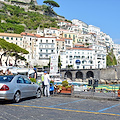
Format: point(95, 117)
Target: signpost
point(54, 64)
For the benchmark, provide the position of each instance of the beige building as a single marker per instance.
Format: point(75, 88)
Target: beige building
point(13, 38)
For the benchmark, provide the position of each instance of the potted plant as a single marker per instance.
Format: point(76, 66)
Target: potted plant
point(119, 92)
point(65, 88)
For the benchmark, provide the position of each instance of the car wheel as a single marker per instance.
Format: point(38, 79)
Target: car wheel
point(38, 93)
point(17, 97)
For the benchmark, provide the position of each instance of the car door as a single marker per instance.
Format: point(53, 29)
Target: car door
point(29, 87)
point(21, 86)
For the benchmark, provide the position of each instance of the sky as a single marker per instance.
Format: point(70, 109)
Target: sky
point(104, 14)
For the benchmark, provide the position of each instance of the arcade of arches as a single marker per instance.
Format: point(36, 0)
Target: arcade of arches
point(78, 75)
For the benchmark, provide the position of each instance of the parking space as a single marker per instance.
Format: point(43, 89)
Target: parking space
point(59, 105)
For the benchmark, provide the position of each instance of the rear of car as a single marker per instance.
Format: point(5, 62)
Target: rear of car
point(5, 83)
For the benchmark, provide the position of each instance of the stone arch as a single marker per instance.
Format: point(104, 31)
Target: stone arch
point(79, 75)
point(68, 74)
point(89, 74)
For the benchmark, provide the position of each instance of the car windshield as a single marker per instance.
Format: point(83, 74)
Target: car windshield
point(6, 78)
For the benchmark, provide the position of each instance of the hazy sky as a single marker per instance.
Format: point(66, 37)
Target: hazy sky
point(104, 14)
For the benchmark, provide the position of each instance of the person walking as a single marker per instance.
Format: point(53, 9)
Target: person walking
point(47, 84)
point(43, 86)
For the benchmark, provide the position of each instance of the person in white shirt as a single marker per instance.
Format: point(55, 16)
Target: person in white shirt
point(47, 84)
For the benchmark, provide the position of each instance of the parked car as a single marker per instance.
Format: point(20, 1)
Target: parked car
point(18, 87)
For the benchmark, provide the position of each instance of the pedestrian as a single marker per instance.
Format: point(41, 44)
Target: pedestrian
point(43, 86)
point(1, 72)
point(35, 74)
point(8, 72)
point(47, 84)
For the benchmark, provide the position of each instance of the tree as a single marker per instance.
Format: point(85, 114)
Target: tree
point(51, 3)
point(59, 62)
point(9, 48)
point(110, 59)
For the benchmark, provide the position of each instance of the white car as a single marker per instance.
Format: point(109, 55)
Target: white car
point(18, 87)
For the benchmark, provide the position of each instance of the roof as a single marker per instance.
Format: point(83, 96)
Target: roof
point(79, 48)
point(60, 40)
point(10, 35)
point(79, 45)
point(34, 35)
point(30, 34)
point(67, 38)
point(52, 28)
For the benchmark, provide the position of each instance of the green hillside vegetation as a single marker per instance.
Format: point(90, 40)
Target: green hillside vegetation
point(16, 20)
point(111, 60)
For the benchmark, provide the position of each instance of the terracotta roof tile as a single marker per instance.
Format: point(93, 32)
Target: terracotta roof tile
point(10, 35)
point(60, 40)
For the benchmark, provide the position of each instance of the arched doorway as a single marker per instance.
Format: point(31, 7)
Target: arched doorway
point(68, 75)
point(79, 75)
point(89, 74)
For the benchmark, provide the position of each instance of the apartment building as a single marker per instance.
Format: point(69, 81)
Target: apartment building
point(81, 25)
point(45, 46)
point(78, 57)
point(13, 38)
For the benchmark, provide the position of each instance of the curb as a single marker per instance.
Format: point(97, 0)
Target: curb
point(86, 97)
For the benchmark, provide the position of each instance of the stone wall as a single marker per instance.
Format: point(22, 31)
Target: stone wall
point(106, 74)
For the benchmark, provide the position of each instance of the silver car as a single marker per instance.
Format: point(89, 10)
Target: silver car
point(17, 87)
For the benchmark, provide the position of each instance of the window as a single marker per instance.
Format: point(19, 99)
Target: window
point(21, 39)
point(69, 36)
point(65, 35)
point(51, 51)
point(30, 44)
point(27, 81)
point(20, 80)
point(82, 62)
point(30, 39)
point(52, 41)
point(41, 41)
point(11, 38)
point(46, 51)
point(7, 38)
point(16, 38)
point(46, 41)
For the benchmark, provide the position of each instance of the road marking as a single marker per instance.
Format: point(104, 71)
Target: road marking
point(67, 103)
point(67, 110)
point(108, 108)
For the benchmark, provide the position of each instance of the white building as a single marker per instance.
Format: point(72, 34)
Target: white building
point(81, 25)
point(100, 56)
point(78, 58)
point(116, 51)
point(48, 32)
point(45, 46)
point(94, 29)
